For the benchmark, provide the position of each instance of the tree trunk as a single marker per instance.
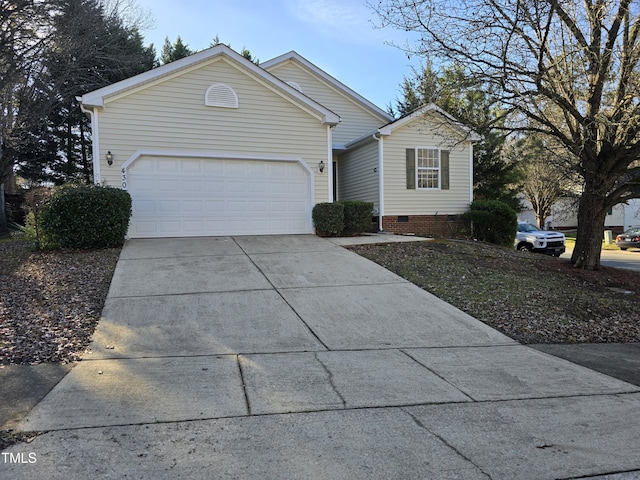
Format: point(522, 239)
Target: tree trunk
point(4, 224)
point(591, 218)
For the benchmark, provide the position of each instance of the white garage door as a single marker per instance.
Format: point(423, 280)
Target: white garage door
point(186, 197)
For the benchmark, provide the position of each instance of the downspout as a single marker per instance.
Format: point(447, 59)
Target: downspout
point(376, 136)
point(471, 172)
point(330, 163)
point(95, 141)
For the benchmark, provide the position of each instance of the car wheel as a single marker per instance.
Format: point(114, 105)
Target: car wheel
point(524, 248)
point(623, 248)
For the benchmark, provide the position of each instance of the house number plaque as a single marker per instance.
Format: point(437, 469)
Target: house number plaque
point(124, 178)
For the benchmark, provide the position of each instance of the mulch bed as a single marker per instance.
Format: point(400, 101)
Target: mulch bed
point(50, 302)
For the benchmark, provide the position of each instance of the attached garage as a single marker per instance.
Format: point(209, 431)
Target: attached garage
point(212, 145)
point(189, 195)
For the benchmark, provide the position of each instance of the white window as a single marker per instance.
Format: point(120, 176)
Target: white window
point(221, 95)
point(428, 168)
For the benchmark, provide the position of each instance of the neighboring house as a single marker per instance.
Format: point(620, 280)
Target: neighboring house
point(213, 144)
point(564, 215)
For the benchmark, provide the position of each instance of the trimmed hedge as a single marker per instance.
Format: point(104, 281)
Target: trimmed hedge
point(357, 216)
point(86, 216)
point(494, 222)
point(328, 218)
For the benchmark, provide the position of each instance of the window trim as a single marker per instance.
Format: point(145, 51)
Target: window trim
point(418, 168)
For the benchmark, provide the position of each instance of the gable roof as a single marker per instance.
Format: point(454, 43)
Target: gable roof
point(467, 132)
point(97, 97)
point(341, 87)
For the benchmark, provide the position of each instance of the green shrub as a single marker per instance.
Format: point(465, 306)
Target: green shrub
point(36, 200)
point(86, 216)
point(494, 221)
point(328, 218)
point(357, 216)
point(36, 235)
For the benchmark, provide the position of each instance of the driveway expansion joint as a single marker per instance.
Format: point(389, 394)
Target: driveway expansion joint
point(445, 442)
point(438, 375)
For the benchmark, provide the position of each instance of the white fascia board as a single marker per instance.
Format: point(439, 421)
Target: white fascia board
point(97, 97)
point(366, 138)
point(469, 134)
point(357, 98)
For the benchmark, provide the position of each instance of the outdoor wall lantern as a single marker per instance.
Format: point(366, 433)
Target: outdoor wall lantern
point(321, 166)
point(109, 157)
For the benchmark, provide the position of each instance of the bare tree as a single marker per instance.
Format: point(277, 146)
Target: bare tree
point(566, 69)
point(546, 176)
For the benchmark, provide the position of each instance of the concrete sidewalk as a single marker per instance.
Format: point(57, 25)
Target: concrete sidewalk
point(290, 357)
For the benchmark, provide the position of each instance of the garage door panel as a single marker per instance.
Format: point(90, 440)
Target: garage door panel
point(235, 168)
point(297, 207)
point(163, 166)
point(213, 186)
point(196, 197)
point(168, 207)
point(258, 207)
point(213, 167)
point(192, 206)
point(142, 207)
point(192, 187)
point(258, 168)
point(213, 206)
point(257, 187)
point(233, 206)
point(235, 186)
point(190, 166)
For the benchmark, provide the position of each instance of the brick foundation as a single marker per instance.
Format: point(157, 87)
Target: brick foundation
point(443, 226)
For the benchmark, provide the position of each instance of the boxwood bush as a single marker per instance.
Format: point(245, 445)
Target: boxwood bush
point(494, 221)
point(357, 216)
point(86, 216)
point(328, 219)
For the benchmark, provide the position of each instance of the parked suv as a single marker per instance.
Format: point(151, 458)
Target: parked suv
point(531, 239)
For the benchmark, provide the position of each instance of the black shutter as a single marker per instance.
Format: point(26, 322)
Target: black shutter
point(444, 169)
point(411, 169)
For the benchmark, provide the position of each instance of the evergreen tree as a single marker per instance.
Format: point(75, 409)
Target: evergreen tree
point(87, 50)
point(176, 51)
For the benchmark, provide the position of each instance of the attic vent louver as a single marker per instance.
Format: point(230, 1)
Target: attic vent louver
point(295, 85)
point(221, 95)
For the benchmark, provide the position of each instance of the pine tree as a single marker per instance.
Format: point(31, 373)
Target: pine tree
point(176, 51)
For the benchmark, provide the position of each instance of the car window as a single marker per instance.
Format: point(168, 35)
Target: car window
point(527, 227)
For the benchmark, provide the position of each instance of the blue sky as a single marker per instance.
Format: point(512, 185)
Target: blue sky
point(337, 35)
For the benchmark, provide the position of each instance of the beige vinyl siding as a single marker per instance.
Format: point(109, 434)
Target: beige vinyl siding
point(355, 120)
point(401, 201)
point(357, 179)
point(171, 115)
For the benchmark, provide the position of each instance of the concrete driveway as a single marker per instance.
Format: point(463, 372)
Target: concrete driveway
point(291, 357)
point(628, 259)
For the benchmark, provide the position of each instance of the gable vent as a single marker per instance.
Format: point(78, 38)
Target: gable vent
point(295, 85)
point(221, 95)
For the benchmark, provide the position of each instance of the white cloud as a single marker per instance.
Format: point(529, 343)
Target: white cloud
point(347, 20)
